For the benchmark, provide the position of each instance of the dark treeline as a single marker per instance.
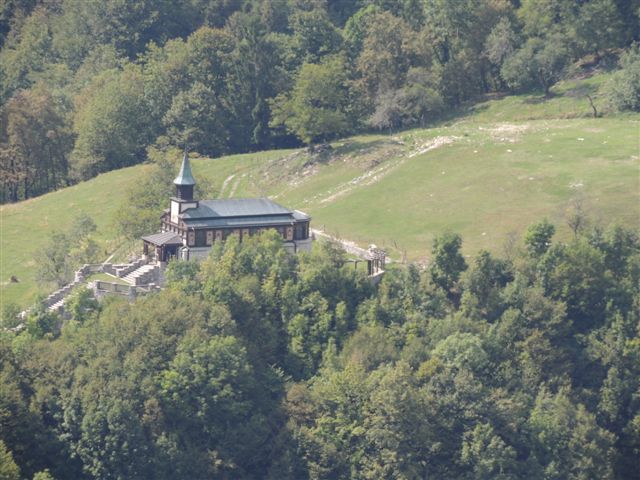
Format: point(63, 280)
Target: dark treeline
point(258, 364)
point(87, 85)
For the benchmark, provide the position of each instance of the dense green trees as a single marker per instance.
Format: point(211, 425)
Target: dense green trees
point(109, 79)
point(318, 107)
point(259, 364)
point(34, 153)
point(111, 130)
point(8, 468)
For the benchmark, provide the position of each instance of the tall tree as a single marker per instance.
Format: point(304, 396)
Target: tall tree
point(26, 54)
point(257, 74)
point(448, 262)
point(539, 63)
point(387, 53)
point(8, 468)
point(448, 25)
point(314, 36)
point(567, 440)
point(111, 122)
point(129, 27)
point(317, 108)
point(36, 145)
point(599, 26)
point(197, 120)
point(538, 237)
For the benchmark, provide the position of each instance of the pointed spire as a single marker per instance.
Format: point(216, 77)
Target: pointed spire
point(185, 177)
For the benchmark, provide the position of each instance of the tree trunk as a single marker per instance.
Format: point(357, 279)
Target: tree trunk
point(595, 111)
point(545, 85)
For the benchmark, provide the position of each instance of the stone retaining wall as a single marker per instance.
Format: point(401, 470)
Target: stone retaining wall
point(101, 289)
point(79, 278)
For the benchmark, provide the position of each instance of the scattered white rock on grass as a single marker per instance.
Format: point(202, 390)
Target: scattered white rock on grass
point(432, 144)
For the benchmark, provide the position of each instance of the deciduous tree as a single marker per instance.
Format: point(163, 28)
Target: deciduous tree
point(317, 108)
point(111, 123)
point(447, 263)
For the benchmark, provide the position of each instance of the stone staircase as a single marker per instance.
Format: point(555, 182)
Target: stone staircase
point(143, 275)
point(122, 270)
point(56, 300)
point(136, 273)
point(56, 307)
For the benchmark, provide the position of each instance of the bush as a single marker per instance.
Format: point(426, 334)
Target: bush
point(623, 89)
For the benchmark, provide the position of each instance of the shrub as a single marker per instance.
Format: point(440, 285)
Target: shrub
point(623, 89)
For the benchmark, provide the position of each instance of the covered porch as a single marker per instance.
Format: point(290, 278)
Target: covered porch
point(163, 246)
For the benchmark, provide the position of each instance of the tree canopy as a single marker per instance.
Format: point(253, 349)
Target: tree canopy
point(87, 86)
point(259, 364)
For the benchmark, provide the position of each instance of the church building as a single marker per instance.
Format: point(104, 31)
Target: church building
point(190, 227)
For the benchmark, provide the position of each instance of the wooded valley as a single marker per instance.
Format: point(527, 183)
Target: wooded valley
point(516, 359)
point(260, 364)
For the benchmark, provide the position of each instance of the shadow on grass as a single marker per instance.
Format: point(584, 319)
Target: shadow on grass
point(581, 91)
point(541, 99)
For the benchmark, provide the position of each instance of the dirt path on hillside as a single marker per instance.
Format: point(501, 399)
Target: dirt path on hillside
point(225, 183)
point(348, 245)
point(366, 179)
point(376, 174)
point(234, 187)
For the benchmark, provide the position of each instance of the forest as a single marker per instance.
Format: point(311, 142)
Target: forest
point(87, 86)
point(258, 364)
point(519, 363)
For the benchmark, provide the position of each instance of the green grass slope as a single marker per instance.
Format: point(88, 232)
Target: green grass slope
point(25, 226)
point(487, 174)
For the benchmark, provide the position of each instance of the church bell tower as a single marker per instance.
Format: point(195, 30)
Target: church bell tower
point(184, 183)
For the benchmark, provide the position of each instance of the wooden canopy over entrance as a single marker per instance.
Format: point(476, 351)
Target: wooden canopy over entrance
point(164, 245)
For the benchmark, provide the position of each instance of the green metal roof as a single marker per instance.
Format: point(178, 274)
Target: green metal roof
point(185, 177)
point(236, 207)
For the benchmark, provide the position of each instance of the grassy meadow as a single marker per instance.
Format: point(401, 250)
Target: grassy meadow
point(486, 173)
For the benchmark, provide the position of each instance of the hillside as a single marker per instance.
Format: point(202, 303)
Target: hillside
point(487, 173)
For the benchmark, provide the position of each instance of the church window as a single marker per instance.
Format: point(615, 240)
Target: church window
point(201, 238)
